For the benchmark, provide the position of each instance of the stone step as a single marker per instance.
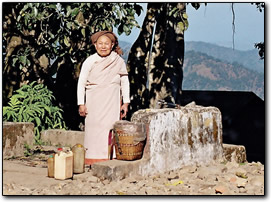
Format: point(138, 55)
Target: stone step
point(118, 169)
point(175, 138)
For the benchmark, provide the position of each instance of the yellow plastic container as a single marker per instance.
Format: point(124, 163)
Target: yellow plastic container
point(51, 166)
point(78, 158)
point(63, 165)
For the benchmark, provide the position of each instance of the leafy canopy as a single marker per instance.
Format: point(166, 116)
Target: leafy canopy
point(38, 34)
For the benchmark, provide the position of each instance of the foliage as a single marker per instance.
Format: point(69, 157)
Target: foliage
point(33, 103)
point(27, 151)
point(260, 6)
point(180, 12)
point(260, 47)
point(38, 37)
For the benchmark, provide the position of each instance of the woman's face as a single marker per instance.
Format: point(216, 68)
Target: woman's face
point(104, 46)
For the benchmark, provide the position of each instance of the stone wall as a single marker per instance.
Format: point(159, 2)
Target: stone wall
point(58, 137)
point(177, 137)
point(15, 136)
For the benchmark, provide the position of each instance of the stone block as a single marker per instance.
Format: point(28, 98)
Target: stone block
point(15, 136)
point(58, 137)
point(175, 138)
point(234, 153)
point(118, 169)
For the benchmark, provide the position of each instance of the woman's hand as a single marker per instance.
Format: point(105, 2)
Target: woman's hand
point(83, 110)
point(123, 110)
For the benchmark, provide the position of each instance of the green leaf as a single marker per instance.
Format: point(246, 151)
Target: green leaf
point(38, 121)
point(51, 5)
point(47, 109)
point(20, 118)
point(30, 119)
point(68, 11)
point(56, 125)
point(21, 110)
point(37, 133)
point(25, 117)
point(67, 41)
point(25, 7)
point(28, 63)
point(35, 11)
point(69, 25)
point(83, 31)
point(22, 59)
point(119, 14)
point(103, 25)
point(14, 61)
point(126, 30)
point(186, 24)
point(172, 11)
point(48, 121)
point(51, 35)
point(185, 16)
point(180, 25)
point(75, 12)
point(8, 115)
point(19, 18)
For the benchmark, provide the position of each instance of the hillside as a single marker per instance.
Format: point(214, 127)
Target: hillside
point(213, 67)
point(203, 72)
point(125, 46)
point(249, 59)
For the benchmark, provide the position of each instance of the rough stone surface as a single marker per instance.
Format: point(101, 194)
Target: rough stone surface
point(15, 136)
point(191, 135)
point(235, 153)
point(118, 169)
point(58, 137)
point(178, 137)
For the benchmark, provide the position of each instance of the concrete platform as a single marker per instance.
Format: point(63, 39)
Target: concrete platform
point(191, 135)
point(117, 169)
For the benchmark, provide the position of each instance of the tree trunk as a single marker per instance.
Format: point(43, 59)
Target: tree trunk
point(166, 74)
point(155, 68)
point(138, 61)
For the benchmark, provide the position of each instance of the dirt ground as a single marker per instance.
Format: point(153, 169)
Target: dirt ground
point(28, 176)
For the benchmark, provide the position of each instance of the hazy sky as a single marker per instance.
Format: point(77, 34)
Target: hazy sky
point(213, 23)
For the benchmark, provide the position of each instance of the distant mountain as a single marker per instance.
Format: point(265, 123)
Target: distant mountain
point(125, 46)
point(249, 59)
point(203, 72)
point(212, 67)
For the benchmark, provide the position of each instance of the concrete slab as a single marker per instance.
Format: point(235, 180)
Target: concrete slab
point(175, 138)
point(118, 169)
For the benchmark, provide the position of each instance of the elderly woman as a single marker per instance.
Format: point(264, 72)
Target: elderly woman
point(102, 86)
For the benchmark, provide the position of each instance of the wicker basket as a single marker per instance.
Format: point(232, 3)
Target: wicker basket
point(129, 140)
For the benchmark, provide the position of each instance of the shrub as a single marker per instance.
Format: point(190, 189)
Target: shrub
point(33, 103)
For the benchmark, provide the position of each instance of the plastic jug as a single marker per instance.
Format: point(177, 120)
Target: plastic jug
point(78, 158)
point(63, 165)
point(50, 166)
